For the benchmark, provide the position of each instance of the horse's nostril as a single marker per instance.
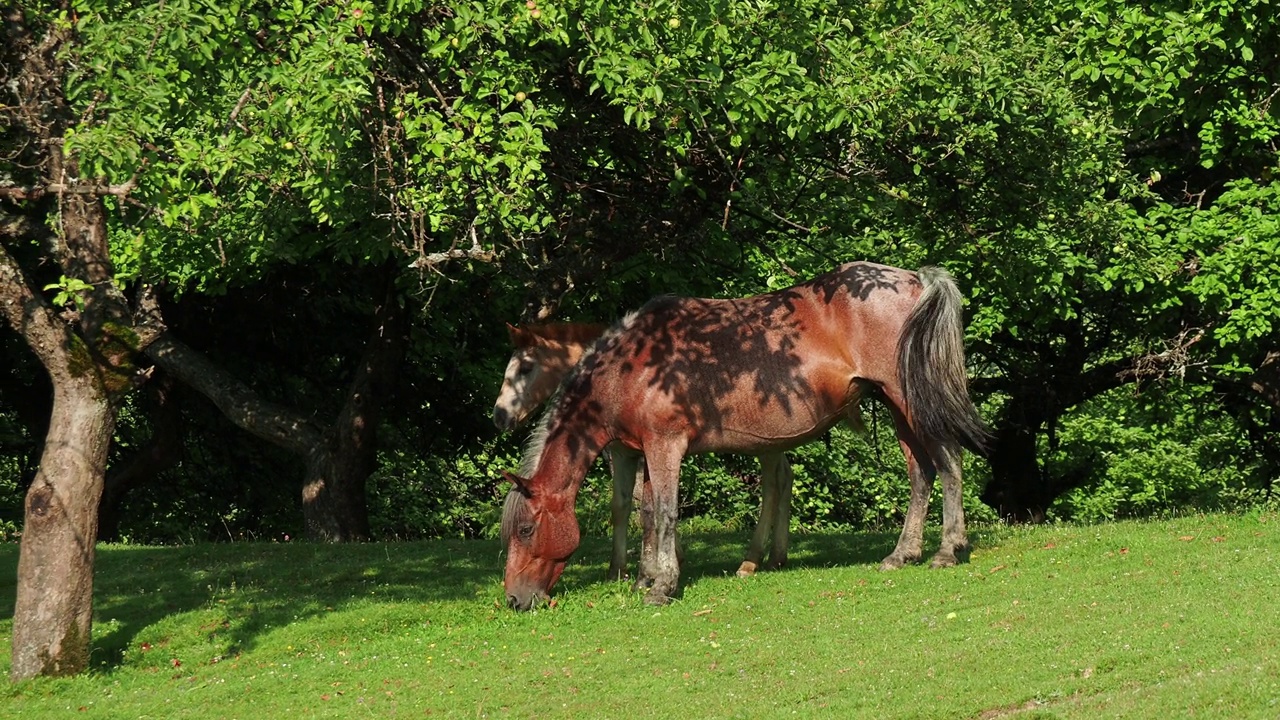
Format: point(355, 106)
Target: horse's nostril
point(501, 419)
point(513, 602)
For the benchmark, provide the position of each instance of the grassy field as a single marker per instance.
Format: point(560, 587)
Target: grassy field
point(1159, 619)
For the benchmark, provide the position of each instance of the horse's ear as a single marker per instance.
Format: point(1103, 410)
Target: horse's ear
point(520, 337)
point(518, 483)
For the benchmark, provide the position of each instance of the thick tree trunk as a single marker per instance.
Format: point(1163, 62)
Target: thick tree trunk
point(1017, 490)
point(86, 348)
point(86, 355)
point(333, 501)
point(52, 615)
point(333, 496)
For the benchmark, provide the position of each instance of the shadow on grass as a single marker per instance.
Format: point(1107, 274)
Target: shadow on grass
point(717, 553)
point(260, 586)
point(251, 588)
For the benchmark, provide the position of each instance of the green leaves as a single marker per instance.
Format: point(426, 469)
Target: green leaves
point(71, 291)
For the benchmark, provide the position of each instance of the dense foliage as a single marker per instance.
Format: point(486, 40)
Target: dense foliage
point(1100, 177)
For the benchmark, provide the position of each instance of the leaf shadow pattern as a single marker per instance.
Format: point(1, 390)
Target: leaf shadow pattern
point(262, 587)
point(701, 353)
point(714, 554)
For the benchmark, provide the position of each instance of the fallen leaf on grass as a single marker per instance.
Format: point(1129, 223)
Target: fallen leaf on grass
point(1187, 538)
point(698, 613)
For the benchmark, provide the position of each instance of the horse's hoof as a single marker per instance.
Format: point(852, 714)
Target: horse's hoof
point(943, 561)
point(775, 564)
point(746, 569)
point(642, 583)
point(652, 598)
point(896, 561)
point(617, 573)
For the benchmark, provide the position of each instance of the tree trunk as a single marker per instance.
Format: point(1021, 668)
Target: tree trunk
point(54, 608)
point(333, 502)
point(333, 496)
point(86, 354)
point(1017, 489)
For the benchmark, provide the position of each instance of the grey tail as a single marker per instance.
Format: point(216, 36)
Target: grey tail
point(931, 367)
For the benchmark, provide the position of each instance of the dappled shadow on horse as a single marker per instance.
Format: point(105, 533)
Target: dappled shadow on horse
point(543, 356)
point(752, 375)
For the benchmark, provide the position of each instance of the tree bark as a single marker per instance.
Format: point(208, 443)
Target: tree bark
point(52, 617)
point(86, 356)
point(333, 495)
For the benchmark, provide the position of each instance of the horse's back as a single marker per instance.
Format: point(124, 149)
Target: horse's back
point(758, 373)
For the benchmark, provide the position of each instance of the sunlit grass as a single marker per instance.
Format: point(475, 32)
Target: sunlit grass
point(1138, 619)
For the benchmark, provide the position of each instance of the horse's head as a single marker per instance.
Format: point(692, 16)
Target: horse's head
point(540, 532)
point(544, 355)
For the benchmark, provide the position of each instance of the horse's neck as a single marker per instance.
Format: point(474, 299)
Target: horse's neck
point(574, 350)
point(565, 459)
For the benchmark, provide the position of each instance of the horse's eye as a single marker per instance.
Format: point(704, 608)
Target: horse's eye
point(526, 532)
point(526, 367)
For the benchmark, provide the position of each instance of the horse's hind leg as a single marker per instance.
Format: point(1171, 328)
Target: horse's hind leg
point(624, 465)
point(911, 541)
point(955, 542)
point(920, 471)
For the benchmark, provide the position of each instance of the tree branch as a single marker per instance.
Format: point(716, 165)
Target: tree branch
point(274, 423)
point(29, 314)
point(35, 193)
point(1266, 379)
point(429, 261)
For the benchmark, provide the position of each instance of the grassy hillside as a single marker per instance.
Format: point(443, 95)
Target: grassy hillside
point(1165, 619)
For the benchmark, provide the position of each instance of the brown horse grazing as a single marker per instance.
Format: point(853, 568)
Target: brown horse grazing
point(751, 375)
point(544, 355)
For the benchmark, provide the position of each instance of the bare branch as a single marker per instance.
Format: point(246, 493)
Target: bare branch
point(429, 261)
point(235, 111)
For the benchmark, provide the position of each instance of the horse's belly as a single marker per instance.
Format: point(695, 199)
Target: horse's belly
point(768, 433)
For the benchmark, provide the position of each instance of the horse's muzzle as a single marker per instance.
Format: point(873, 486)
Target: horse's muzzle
point(527, 603)
point(502, 419)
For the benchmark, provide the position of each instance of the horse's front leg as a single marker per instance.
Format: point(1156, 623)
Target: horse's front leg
point(624, 465)
point(662, 464)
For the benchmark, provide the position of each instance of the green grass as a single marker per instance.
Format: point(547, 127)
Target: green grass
point(1158, 619)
